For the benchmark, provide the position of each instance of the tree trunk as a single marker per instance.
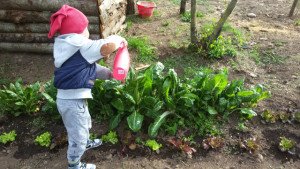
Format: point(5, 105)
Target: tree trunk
point(131, 7)
point(217, 30)
point(193, 22)
point(88, 7)
point(32, 37)
point(293, 8)
point(36, 28)
point(16, 16)
point(182, 7)
point(27, 47)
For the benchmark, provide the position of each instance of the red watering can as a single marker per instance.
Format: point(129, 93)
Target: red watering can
point(121, 63)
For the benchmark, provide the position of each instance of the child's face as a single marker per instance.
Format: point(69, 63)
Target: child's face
point(86, 33)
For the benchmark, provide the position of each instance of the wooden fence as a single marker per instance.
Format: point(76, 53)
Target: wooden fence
point(25, 24)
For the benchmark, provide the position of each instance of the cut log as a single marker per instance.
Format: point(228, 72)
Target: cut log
point(16, 16)
point(32, 37)
point(36, 28)
point(27, 47)
point(114, 27)
point(111, 14)
point(88, 7)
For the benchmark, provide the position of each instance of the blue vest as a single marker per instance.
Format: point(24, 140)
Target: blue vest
point(75, 73)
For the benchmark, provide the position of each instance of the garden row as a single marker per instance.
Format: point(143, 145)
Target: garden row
point(151, 100)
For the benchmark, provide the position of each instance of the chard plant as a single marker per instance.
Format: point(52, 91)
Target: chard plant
point(18, 99)
point(251, 144)
point(287, 145)
point(50, 96)
point(43, 140)
point(8, 137)
point(169, 103)
point(128, 141)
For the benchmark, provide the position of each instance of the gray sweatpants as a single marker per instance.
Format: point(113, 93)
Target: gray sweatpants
point(77, 121)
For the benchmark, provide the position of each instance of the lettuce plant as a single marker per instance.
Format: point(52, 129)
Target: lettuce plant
point(6, 137)
point(59, 140)
point(43, 140)
point(153, 145)
point(212, 142)
point(252, 145)
point(269, 116)
point(183, 146)
point(110, 137)
point(18, 99)
point(287, 145)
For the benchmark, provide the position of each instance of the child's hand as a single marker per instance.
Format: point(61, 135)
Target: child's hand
point(125, 42)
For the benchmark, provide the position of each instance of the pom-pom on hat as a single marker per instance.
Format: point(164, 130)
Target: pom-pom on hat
point(67, 20)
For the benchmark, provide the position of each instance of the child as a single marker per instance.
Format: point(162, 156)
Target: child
point(75, 58)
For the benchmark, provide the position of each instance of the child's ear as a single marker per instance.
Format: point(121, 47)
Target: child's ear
point(107, 49)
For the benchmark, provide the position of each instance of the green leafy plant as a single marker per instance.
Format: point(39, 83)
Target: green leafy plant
point(183, 146)
point(93, 136)
point(128, 140)
point(110, 137)
point(287, 145)
point(50, 107)
point(284, 116)
point(7, 137)
point(59, 140)
point(166, 23)
point(18, 100)
point(296, 115)
point(186, 17)
point(212, 142)
point(251, 144)
point(241, 126)
point(43, 140)
point(169, 103)
point(153, 145)
point(269, 116)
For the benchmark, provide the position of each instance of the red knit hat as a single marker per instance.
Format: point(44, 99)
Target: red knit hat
point(67, 20)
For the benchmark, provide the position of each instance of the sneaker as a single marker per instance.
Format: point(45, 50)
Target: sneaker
point(93, 143)
point(81, 165)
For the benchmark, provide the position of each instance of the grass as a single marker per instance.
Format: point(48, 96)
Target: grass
point(146, 52)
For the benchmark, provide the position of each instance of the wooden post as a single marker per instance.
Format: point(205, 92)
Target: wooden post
point(182, 7)
point(293, 8)
point(131, 7)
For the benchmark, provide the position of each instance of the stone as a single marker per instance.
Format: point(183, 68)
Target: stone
point(251, 15)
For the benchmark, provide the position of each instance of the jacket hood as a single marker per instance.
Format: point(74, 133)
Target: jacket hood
point(65, 46)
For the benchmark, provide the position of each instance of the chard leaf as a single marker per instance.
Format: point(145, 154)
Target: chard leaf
point(248, 111)
point(129, 97)
point(211, 110)
point(114, 121)
point(118, 104)
point(153, 128)
point(135, 121)
point(158, 106)
point(265, 95)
